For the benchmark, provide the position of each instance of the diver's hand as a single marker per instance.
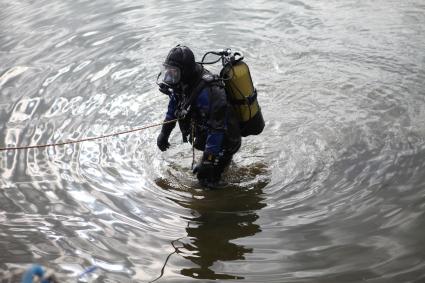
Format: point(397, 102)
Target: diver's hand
point(162, 141)
point(205, 170)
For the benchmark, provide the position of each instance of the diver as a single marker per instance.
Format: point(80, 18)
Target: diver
point(206, 119)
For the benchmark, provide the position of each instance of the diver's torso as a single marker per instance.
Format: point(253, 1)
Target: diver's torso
point(213, 120)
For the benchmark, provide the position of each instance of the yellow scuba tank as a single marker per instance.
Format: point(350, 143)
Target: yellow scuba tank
point(242, 95)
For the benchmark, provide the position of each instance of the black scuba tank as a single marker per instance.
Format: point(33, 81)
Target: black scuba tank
point(242, 94)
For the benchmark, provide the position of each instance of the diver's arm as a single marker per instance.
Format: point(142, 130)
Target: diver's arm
point(167, 128)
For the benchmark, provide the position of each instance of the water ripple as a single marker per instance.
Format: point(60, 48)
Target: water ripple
point(330, 192)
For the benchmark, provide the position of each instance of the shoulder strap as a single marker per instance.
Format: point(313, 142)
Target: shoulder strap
point(194, 94)
point(205, 79)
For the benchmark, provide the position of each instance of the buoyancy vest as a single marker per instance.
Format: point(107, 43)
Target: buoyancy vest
point(193, 126)
point(185, 114)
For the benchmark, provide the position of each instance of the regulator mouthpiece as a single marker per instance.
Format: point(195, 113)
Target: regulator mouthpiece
point(165, 89)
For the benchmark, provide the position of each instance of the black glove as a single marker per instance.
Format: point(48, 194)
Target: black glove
point(206, 171)
point(162, 140)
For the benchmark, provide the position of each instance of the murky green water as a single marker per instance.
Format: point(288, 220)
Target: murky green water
point(332, 191)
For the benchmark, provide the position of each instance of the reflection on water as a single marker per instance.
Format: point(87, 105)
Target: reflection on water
point(220, 217)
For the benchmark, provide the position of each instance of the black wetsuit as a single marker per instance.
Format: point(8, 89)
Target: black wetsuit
point(216, 128)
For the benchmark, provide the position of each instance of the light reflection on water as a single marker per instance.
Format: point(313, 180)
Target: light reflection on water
point(332, 191)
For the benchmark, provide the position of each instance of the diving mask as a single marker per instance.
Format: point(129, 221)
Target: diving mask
point(169, 75)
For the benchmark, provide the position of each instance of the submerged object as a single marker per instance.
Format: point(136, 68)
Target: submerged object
point(36, 272)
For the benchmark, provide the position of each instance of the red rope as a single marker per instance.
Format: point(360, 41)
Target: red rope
point(87, 139)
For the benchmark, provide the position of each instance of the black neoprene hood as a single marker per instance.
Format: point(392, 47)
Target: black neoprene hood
point(182, 57)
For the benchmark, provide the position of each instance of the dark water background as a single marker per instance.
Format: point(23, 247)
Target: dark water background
point(332, 191)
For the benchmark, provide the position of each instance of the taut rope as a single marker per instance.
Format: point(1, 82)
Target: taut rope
point(87, 139)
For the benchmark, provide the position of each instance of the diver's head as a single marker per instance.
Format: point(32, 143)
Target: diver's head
point(180, 68)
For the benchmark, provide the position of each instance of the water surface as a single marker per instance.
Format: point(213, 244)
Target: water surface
point(331, 191)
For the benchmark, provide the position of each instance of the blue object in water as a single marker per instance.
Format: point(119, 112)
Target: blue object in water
point(88, 270)
point(35, 270)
